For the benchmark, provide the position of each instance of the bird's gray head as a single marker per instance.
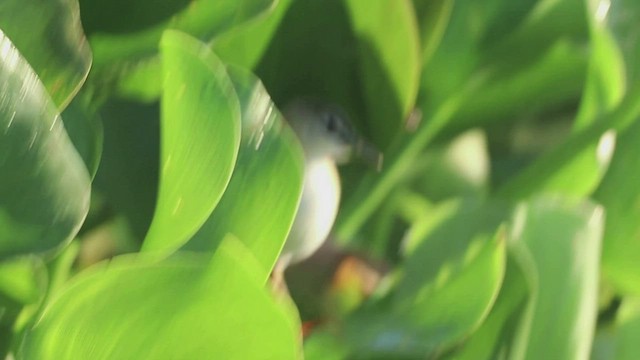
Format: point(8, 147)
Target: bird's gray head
point(324, 130)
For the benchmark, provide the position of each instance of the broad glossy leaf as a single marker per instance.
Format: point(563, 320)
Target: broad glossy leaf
point(449, 305)
point(495, 334)
point(84, 127)
point(201, 19)
point(44, 186)
point(49, 35)
point(185, 307)
point(605, 85)
point(262, 197)
point(244, 45)
point(574, 168)
point(433, 18)
point(627, 330)
point(129, 54)
point(389, 62)
point(620, 194)
point(200, 135)
point(563, 238)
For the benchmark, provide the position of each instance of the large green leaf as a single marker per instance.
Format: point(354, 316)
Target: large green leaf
point(44, 186)
point(128, 56)
point(262, 197)
point(202, 19)
point(185, 307)
point(563, 239)
point(389, 62)
point(627, 330)
point(200, 136)
point(620, 194)
point(245, 45)
point(605, 85)
point(49, 35)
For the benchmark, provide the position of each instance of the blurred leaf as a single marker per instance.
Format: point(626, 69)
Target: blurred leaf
point(201, 19)
point(622, 20)
point(495, 334)
point(245, 45)
point(620, 195)
point(563, 238)
point(130, 57)
point(628, 330)
point(23, 280)
point(431, 316)
point(388, 62)
point(49, 36)
point(84, 127)
point(44, 187)
point(605, 85)
point(200, 135)
point(262, 197)
point(180, 308)
point(433, 18)
point(128, 172)
point(461, 168)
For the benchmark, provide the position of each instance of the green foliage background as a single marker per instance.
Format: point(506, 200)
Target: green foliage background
point(148, 180)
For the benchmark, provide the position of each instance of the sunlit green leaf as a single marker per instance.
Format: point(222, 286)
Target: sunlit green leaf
point(563, 238)
point(181, 308)
point(244, 45)
point(129, 57)
point(620, 194)
point(44, 186)
point(605, 85)
point(262, 197)
point(49, 36)
point(389, 62)
point(200, 128)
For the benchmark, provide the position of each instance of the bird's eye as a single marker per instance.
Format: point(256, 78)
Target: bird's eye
point(331, 122)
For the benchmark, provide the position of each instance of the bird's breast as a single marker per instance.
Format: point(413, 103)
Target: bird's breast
point(317, 210)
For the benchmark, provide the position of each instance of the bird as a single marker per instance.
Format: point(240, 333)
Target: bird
point(328, 139)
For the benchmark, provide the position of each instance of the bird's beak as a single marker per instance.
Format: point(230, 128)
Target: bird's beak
point(368, 153)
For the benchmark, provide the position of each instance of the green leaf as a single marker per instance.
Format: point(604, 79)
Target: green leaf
point(389, 62)
point(49, 36)
point(184, 307)
point(446, 288)
point(563, 239)
point(620, 195)
point(245, 45)
point(200, 135)
point(84, 127)
point(627, 330)
point(130, 57)
point(262, 197)
point(433, 18)
point(605, 84)
point(497, 330)
point(201, 19)
point(44, 187)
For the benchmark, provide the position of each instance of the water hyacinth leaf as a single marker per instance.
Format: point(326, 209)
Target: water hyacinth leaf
point(433, 18)
point(200, 136)
point(84, 127)
point(127, 310)
point(262, 197)
point(44, 187)
point(620, 195)
point(201, 19)
point(446, 308)
point(49, 36)
point(605, 85)
point(244, 45)
point(389, 62)
point(131, 54)
point(564, 238)
point(574, 168)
